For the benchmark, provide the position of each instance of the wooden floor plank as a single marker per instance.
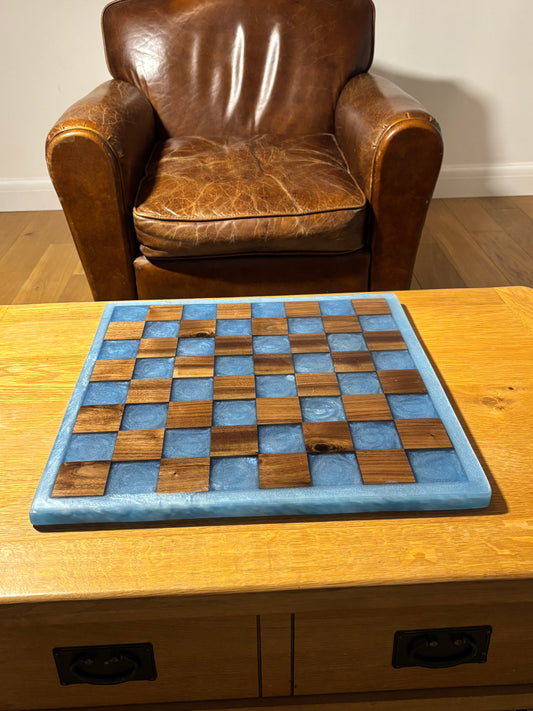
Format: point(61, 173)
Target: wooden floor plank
point(433, 268)
point(469, 260)
point(513, 220)
point(49, 277)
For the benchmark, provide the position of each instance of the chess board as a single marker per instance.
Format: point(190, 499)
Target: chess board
point(257, 407)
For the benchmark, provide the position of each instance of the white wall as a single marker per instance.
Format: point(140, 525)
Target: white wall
point(468, 61)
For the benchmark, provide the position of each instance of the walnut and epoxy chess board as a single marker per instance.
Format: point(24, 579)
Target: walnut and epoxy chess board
point(278, 406)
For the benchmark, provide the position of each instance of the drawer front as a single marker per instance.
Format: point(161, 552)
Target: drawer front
point(352, 651)
point(195, 659)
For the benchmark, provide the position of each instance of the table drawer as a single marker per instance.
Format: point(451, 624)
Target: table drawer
point(195, 659)
point(352, 651)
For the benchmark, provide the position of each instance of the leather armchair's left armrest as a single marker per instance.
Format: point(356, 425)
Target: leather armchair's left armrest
point(96, 154)
point(393, 148)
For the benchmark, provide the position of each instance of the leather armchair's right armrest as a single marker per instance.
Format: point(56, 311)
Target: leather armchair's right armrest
point(96, 154)
point(393, 147)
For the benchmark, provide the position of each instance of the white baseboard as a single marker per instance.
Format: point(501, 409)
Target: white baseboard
point(489, 180)
point(27, 194)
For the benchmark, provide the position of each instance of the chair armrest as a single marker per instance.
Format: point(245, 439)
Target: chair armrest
point(96, 155)
point(393, 148)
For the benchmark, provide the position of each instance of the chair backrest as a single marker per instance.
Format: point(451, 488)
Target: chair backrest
point(239, 67)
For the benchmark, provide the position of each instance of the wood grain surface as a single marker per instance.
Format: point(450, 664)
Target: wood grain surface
point(481, 343)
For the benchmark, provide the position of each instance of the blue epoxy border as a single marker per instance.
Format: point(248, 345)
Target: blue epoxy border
point(473, 493)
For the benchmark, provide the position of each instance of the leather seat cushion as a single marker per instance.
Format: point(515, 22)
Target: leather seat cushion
point(220, 196)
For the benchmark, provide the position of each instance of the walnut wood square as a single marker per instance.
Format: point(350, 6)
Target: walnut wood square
point(352, 361)
point(273, 363)
point(278, 410)
point(385, 466)
point(317, 384)
point(189, 413)
point(281, 471)
point(234, 311)
point(98, 418)
point(234, 387)
point(302, 308)
point(120, 369)
point(149, 391)
point(341, 324)
point(370, 307)
point(138, 445)
point(234, 441)
point(165, 313)
point(400, 382)
point(124, 330)
point(157, 348)
point(327, 437)
point(194, 366)
point(384, 341)
point(201, 328)
point(269, 326)
point(181, 475)
point(81, 479)
point(427, 433)
point(360, 408)
point(233, 345)
point(309, 343)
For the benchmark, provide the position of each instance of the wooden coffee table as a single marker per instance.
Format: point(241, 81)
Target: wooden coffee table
point(301, 611)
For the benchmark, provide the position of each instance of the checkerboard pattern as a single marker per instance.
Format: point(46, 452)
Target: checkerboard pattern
point(243, 396)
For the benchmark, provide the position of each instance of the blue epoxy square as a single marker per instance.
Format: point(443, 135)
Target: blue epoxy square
point(334, 470)
point(234, 327)
point(191, 389)
point(144, 417)
point(336, 307)
point(161, 329)
point(322, 409)
point(234, 412)
point(153, 368)
point(436, 465)
point(346, 342)
point(392, 360)
point(111, 350)
point(281, 439)
point(307, 324)
point(275, 386)
point(375, 435)
point(234, 365)
point(111, 393)
point(200, 312)
point(383, 322)
point(359, 384)
point(129, 312)
point(196, 346)
point(271, 344)
point(234, 474)
point(127, 478)
point(268, 309)
point(187, 443)
point(97, 447)
point(408, 407)
point(312, 363)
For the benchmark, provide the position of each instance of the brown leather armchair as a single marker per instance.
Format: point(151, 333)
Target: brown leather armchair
point(242, 148)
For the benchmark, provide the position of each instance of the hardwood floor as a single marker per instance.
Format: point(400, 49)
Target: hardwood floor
point(467, 242)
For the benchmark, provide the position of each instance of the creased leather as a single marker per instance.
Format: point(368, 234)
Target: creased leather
point(239, 67)
point(96, 155)
point(393, 148)
point(120, 115)
point(235, 195)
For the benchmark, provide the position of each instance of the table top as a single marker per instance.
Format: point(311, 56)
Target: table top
point(480, 342)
